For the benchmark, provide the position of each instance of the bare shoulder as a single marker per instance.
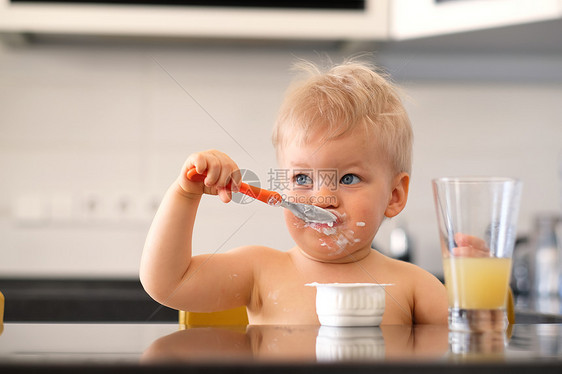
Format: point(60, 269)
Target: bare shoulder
point(253, 258)
point(256, 249)
point(407, 271)
point(427, 294)
point(256, 253)
point(421, 280)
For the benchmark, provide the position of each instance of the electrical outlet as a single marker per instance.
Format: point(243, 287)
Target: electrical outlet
point(93, 208)
point(143, 206)
point(131, 207)
point(30, 209)
point(124, 207)
point(116, 207)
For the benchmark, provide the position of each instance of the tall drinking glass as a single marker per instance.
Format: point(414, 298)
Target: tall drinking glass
point(477, 220)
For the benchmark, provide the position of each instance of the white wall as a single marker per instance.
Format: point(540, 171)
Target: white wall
point(92, 134)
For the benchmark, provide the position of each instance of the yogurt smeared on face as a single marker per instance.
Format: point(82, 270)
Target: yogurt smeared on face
point(336, 237)
point(326, 229)
point(338, 242)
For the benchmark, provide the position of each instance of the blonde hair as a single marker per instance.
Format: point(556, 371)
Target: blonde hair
point(341, 98)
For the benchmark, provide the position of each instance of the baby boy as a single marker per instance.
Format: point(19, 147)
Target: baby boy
point(349, 122)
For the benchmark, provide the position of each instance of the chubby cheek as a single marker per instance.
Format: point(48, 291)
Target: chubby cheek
point(367, 220)
point(364, 230)
point(293, 223)
point(366, 223)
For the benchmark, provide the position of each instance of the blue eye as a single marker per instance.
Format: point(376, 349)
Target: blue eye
point(302, 179)
point(350, 179)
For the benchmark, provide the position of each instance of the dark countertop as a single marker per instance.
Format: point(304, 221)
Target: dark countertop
point(124, 300)
point(164, 347)
point(81, 300)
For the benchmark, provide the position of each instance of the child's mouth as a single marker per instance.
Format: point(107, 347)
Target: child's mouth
point(327, 228)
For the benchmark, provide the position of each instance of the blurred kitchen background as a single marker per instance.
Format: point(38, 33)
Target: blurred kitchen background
point(97, 116)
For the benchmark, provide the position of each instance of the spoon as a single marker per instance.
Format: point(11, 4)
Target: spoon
point(306, 212)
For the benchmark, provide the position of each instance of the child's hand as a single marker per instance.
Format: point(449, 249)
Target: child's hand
point(470, 246)
point(223, 175)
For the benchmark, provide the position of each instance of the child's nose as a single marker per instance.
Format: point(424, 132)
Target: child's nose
point(325, 198)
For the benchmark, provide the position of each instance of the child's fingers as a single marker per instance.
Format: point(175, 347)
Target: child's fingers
point(470, 252)
point(470, 246)
point(464, 240)
point(224, 176)
point(227, 170)
point(197, 160)
point(220, 171)
point(213, 170)
point(224, 194)
point(230, 178)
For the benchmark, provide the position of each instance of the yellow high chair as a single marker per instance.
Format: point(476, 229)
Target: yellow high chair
point(1, 313)
point(510, 307)
point(231, 317)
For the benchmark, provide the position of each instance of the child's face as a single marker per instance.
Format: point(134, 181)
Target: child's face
point(349, 177)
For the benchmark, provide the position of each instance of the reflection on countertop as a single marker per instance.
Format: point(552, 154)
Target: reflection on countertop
point(432, 348)
point(302, 343)
point(548, 307)
point(388, 343)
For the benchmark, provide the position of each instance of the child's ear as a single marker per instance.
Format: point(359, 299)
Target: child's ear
point(399, 195)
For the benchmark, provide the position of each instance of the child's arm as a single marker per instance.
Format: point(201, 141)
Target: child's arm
point(430, 300)
point(168, 272)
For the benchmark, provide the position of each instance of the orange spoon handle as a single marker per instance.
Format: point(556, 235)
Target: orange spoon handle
point(193, 176)
point(266, 196)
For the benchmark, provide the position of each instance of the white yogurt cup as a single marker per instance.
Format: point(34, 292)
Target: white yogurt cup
point(350, 304)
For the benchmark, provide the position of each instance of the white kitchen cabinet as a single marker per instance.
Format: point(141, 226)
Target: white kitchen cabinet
point(420, 18)
point(376, 20)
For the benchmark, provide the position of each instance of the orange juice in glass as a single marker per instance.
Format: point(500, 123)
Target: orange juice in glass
point(477, 283)
point(477, 225)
